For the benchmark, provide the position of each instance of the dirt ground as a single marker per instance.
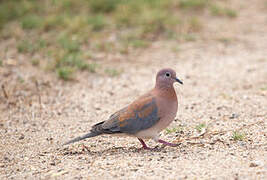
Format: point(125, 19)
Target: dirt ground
point(225, 87)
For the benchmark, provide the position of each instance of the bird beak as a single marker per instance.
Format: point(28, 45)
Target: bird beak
point(179, 81)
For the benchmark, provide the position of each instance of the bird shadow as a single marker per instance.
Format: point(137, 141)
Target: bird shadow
point(69, 151)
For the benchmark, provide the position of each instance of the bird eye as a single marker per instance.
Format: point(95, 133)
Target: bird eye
point(167, 74)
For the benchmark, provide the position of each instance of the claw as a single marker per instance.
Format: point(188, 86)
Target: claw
point(168, 143)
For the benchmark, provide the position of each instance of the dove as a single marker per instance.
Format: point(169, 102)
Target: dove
point(145, 117)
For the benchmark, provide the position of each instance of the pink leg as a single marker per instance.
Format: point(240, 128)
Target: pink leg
point(144, 144)
point(167, 143)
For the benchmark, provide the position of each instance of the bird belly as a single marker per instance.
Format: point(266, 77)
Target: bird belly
point(147, 133)
point(153, 132)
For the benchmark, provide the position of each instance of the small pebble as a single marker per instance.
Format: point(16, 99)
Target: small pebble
point(256, 163)
point(21, 137)
point(233, 116)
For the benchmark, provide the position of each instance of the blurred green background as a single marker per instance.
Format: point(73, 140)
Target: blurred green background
point(68, 35)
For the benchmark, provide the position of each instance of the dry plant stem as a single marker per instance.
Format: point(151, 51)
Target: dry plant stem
point(85, 147)
point(38, 93)
point(4, 91)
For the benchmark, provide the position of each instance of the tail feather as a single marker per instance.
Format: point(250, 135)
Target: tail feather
point(95, 131)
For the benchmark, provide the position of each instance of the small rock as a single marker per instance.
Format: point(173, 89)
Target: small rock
point(59, 173)
point(11, 62)
point(134, 170)
point(233, 116)
point(255, 163)
point(21, 137)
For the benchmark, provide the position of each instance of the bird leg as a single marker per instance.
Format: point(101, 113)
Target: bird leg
point(167, 143)
point(144, 144)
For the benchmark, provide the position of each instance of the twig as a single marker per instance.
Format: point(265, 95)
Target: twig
point(38, 93)
point(4, 91)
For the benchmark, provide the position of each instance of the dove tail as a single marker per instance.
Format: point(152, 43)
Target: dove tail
point(95, 131)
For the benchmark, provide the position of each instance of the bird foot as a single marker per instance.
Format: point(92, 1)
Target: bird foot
point(168, 143)
point(145, 147)
point(85, 148)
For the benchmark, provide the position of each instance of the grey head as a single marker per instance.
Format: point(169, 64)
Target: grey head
point(166, 77)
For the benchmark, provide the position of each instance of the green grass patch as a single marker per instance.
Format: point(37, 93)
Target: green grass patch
point(195, 25)
point(73, 60)
point(193, 4)
point(230, 12)
point(1, 62)
point(103, 6)
point(200, 127)
point(104, 47)
point(31, 22)
point(97, 23)
point(99, 26)
point(189, 37)
point(92, 67)
point(14, 10)
point(238, 136)
point(225, 40)
point(112, 72)
point(69, 45)
point(21, 80)
point(138, 43)
point(178, 129)
point(53, 22)
point(65, 73)
point(25, 46)
point(35, 62)
point(220, 11)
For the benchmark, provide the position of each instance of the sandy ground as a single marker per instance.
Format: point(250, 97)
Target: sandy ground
point(225, 87)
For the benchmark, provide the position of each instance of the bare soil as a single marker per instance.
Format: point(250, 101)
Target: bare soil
point(225, 87)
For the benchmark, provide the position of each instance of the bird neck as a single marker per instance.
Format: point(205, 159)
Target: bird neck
point(166, 92)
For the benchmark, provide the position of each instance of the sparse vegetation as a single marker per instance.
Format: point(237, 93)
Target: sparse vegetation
point(112, 72)
point(20, 79)
point(189, 37)
point(92, 67)
point(194, 24)
point(220, 11)
point(35, 62)
point(200, 127)
point(97, 22)
point(65, 73)
point(31, 22)
point(174, 130)
point(225, 40)
point(100, 26)
point(238, 136)
point(25, 47)
point(193, 4)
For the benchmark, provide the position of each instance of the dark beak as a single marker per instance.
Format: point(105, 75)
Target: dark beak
point(179, 81)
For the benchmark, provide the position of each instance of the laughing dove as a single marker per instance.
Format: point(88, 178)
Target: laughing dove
point(147, 116)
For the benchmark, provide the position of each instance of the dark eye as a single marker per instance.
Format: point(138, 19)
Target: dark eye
point(168, 74)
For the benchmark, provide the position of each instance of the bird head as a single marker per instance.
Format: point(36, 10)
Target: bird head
point(166, 77)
